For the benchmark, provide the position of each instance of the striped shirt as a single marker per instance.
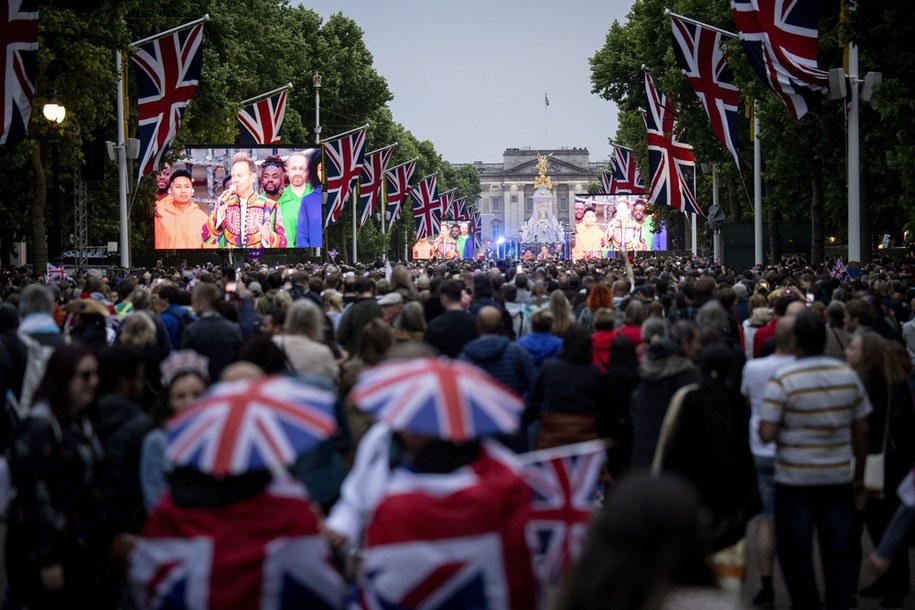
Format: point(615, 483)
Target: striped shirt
point(814, 401)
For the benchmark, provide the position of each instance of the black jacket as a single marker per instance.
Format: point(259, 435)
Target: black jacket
point(216, 338)
point(664, 371)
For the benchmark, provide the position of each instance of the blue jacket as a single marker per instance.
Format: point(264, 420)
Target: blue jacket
point(541, 346)
point(504, 360)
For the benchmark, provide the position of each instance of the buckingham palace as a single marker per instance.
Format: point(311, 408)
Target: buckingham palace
point(508, 193)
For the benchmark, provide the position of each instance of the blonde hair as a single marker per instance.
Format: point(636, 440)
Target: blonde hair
point(562, 313)
point(137, 331)
point(304, 318)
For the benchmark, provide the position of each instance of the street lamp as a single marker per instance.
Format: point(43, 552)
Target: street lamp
point(53, 111)
point(316, 81)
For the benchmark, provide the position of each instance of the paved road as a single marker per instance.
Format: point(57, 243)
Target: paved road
point(751, 586)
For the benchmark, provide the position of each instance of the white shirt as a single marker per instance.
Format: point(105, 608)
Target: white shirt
point(756, 373)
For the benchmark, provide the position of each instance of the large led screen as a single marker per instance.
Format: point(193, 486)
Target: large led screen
point(605, 224)
point(240, 197)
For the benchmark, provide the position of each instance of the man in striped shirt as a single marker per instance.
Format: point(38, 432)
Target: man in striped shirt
point(815, 410)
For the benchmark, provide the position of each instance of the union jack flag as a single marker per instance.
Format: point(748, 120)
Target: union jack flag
point(261, 122)
point(167, 71)
point(699, 55)
point(55, 273)
point(263, 553)
point(838, 270)
point(397, 186)
point(371, 180)
point(446, 199)
point(626, 177)
point(564, 484)
point(476, 228)
point(342, 165)
point(670, 158)
point(420, 554)
point(427, 212)
point(606, 182)
point(780, 39)
point(460, 209)
point(18, 52)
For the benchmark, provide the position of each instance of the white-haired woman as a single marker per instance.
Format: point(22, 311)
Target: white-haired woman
point(302, 341)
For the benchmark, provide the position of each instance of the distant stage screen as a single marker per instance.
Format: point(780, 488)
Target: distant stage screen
point(270, 197)
point(605, 224)
point(454, 242)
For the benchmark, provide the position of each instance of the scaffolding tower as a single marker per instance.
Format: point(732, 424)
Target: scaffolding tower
point(81, 224)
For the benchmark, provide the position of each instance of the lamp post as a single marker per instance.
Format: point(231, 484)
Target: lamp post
point(55, 113)
point(316, 81)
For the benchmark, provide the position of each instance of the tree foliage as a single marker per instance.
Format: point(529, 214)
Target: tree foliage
point(804, 162)
point(249, 47)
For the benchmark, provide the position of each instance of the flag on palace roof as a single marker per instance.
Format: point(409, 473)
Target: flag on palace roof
point(167, 71)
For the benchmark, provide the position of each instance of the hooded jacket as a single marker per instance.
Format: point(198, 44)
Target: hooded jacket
point(541, 346)
point(661, 374)
point(504, 360)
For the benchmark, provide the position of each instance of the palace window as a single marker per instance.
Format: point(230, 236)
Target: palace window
point(496, 203)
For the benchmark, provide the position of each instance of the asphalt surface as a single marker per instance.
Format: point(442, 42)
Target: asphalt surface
point(752, 582)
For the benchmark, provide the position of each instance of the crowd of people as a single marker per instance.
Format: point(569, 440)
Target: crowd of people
point(758, 399)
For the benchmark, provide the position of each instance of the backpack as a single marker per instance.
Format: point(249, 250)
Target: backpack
point(183, 320)
point(36, 363)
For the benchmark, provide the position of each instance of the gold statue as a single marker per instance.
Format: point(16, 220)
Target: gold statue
point(542, 178)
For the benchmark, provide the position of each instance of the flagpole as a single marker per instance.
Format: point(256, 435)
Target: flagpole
point(757, 192)
point(123, 216)
point(355, 197)
point(670, 13)
point(854, 169)
point(122, 161)
point(175, 29)
point(716, 234)
point(256, 98)
point(346, 133)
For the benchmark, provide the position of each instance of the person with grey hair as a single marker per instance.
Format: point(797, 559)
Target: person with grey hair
point(301, 341)
point(713, 323)
point(686, 334)
point(653, 329)
point(40, 335)
point(837, 338)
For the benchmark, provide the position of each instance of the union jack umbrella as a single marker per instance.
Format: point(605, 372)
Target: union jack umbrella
point(167, 70)
point(427, 212)
point(397, 186)
point(245, 426)
point(372, 179)
point(438, 397)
